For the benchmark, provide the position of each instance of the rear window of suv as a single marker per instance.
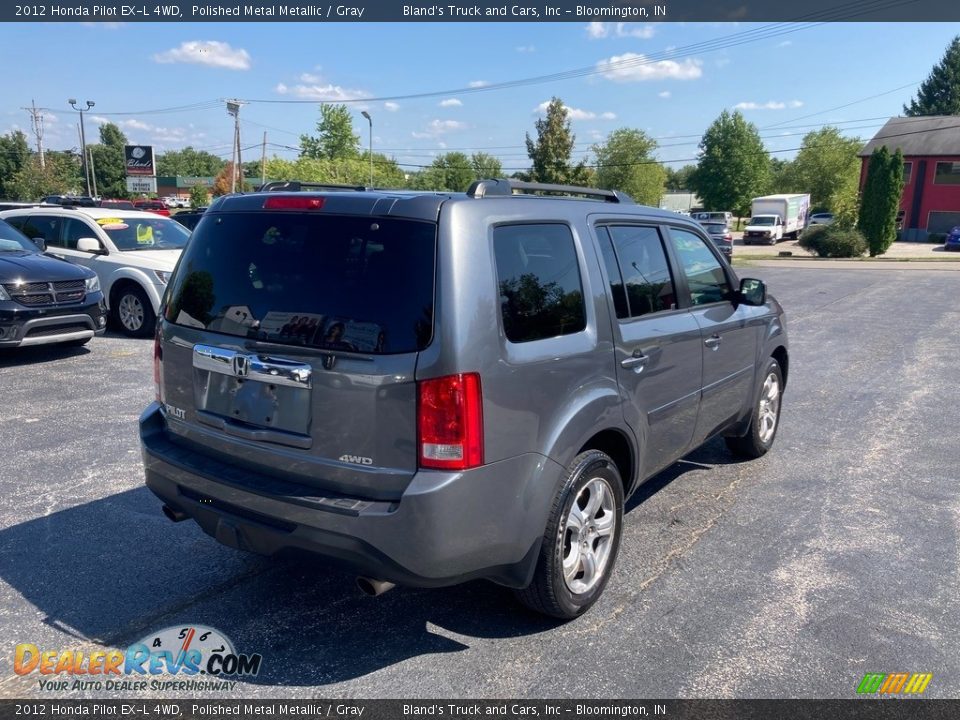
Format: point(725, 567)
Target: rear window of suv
point(332, 282)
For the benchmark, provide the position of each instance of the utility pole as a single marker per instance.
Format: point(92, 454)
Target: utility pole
point(36, 123)
point(263, 161)
point(83, 139)
point(233, 109)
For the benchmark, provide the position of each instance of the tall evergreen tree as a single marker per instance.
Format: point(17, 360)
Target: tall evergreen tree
point(880, 200)
point(552, 151)
point(734, 166)
point(939, 94)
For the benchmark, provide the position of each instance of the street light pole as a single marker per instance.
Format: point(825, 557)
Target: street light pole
point(83, 140)
point(370, 121)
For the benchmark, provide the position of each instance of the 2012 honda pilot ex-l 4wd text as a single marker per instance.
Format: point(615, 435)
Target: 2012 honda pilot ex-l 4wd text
point(430, 387)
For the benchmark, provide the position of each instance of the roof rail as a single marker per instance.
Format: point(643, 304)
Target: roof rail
point(503, 187)
point(297, 186)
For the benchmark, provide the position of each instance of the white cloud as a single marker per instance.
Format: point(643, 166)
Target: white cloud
point(451, 102)
point(576, 113)
point(600, 30)
point(436, 128)
point(525, 49)
point(206, 52)
point(391, 106)
point(785, 43)
point(478, 83)
point(665, 94)
point(315, 87)
point(633, 67)
point(769, 105)
point(133, 124)
point(104, 25)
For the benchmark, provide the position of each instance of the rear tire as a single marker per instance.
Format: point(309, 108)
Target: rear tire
point(581, 539)
point(132, 312)
point(765, 418)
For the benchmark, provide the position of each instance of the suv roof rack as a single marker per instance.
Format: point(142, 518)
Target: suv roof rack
point(297, 186)
point(503, 187)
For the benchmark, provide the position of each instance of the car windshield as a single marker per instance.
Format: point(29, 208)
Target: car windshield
point(144, 233)
point(762, 220)
point(715, 227)
point(13, 241)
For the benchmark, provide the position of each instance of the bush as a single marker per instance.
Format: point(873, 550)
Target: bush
point(826, 241)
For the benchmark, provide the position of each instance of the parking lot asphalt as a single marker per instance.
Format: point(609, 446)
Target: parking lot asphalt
point(791, 576)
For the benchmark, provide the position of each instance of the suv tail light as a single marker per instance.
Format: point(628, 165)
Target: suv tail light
point(293, 202)
point(157, 358)
point(450, 422)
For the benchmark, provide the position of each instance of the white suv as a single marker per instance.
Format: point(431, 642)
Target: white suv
point(132, 252)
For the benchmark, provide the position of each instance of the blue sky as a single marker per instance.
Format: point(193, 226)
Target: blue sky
point(787, 80)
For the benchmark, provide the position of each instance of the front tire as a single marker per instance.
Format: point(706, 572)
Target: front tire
point(765, 418)
point(581, 540)
point(133, 313)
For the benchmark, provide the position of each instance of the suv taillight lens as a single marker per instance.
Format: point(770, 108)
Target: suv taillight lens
point(450, 422)
point(157, 358)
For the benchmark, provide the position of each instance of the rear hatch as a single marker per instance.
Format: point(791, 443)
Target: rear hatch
point(291, 342)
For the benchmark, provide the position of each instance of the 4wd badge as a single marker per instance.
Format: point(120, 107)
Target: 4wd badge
point(356, 459)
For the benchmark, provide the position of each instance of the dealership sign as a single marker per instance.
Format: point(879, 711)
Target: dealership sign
point(139, 160)
point(141, 185)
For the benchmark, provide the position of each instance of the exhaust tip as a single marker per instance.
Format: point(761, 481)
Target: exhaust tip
point(173, 515)
point(372, 587)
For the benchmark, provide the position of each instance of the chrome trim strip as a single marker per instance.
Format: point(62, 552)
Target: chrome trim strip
point(277, 371)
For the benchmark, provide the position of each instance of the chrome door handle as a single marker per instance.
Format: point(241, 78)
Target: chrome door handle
point(636, 362)
point(713, 342)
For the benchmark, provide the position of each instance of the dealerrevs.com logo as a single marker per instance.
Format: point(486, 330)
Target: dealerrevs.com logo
point(188, 658)
point(894, 683)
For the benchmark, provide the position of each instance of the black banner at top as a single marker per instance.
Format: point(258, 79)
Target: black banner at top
point(811, 11)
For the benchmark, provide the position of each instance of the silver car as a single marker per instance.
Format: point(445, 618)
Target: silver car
point(434, 387)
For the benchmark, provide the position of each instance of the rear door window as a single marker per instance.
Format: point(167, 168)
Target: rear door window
point(541, 295)
point(47, 227)
point(357, 284)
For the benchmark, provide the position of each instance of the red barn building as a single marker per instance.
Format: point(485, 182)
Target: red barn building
point(931, 171)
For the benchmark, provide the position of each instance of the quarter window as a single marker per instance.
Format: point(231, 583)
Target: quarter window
point(645, 270)
point(704, 273)
point(541, 294)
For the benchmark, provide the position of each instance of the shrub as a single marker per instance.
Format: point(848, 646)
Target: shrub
point(826, 241)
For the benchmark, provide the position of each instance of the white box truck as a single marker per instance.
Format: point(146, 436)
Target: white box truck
point(774, 217)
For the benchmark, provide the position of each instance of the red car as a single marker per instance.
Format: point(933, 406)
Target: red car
point(154, 206)
point(117, 204)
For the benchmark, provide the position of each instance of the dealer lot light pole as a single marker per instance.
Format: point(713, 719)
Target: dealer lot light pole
point(370, 121)
point(83, 140)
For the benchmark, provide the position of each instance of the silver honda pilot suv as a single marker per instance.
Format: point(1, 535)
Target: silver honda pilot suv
point(433, 387)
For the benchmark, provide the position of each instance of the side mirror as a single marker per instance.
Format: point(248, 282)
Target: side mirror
point(90, 245)
point(753, 292)
point(40, 243)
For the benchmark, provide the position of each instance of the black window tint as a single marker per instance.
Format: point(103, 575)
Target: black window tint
point(617, 290)
point(44, 226)
point(705, 276)
point(541, 295)
point(18, 222)
point(342, 283)
point(73, 230)
point(646, 272)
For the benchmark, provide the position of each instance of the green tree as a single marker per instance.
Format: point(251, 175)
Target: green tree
point(14, 155)
point(734, 166)
point(826, 163)
point(189, 163)
point(451, 172)
point(678, 180)
point(552, 151)
point(880, 201)
point(485, 167)
point(349, 171)
point(199, 197)
point(335, 138)
point(939, 94)
point(60, 175)
point(109, 168)
point(782, 177)
point(625, 162)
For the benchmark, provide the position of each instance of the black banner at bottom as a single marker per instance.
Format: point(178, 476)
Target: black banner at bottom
point(134, 709)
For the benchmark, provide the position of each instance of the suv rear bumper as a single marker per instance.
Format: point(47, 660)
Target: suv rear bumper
point(447, 527)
